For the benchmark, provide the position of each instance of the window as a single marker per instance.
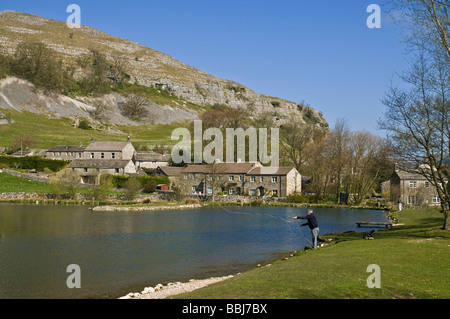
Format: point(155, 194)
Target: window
point(240, 177)
point(261, 179)
point(275, 192)
point(231, 178)
point(436, 200)
point(412, 200)
point(252, 192)
point(231, 191)
point(92, 155)
point(102, 155)
point(252, 179)
point(117, 170)
point(79, 155)
point(210, 177)
point(113, 155)
point(186, 176)
point(427, 184)
point(274, 179)
point(85, 170)
point(210, 190)
point(193, 176)
point(194, 188)
point(413, 184)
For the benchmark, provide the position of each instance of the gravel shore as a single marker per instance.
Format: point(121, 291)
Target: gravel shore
point(172, 289)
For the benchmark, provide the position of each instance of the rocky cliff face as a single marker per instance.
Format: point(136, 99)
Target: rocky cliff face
point(145, 66)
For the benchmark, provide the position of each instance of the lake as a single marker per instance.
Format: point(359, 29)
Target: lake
point(121, 252)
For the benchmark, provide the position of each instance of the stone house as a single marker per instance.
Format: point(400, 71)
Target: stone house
point(90, 170)
point(65, 152)
point(151, 160)
point(412, 189)
point(245, 179)
point(97, 158)
point(109, 150)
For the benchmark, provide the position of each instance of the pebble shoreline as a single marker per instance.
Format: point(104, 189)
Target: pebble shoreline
point(172, 289)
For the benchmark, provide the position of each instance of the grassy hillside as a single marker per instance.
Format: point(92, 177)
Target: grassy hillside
point(414, 260)
point(49, 132)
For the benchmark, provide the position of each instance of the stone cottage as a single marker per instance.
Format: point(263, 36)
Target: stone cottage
point(245, 179)
point(412, 189)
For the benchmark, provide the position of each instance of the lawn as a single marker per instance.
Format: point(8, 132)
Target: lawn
point(14, 184)
point(414, 261)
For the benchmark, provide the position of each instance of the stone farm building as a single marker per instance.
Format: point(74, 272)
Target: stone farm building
point(244, 179)
point(97, 158)
point(412, 189)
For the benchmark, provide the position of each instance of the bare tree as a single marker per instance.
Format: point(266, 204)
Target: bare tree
point(296, 136)
point(417, 117)
point(134, 107)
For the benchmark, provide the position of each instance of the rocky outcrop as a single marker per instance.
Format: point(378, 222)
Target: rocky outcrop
point(145, 66)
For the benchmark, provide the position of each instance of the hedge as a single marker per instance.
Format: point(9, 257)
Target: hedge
point(33, 162)
point(119, 180)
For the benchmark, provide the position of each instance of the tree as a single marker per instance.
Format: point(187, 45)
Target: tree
point(132, 187)
point(295, 138)
point(417, 115)
point(34, 61)
point(134, 107)
point(97, 70)
point(101, 189)
point(119, 68)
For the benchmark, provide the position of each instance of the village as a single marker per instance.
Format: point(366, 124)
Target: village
point(221, 181)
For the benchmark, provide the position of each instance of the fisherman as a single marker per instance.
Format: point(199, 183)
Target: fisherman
point(312, 223)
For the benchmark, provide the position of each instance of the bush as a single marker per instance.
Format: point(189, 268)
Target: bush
point(150, 187)
point(84, 125)
point(131, 187)
point(33, 162)
point(120, 180)
point(191, 201)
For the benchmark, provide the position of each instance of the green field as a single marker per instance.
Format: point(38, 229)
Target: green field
point(414, 261)
point(49, 132)
point(14, 184)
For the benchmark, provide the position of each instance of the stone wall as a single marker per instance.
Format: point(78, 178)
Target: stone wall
point(30, 176)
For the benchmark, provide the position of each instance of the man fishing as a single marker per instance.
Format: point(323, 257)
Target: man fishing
point(312, 223)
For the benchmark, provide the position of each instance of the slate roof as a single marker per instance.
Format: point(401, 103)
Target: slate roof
point(99, 163)
point(282, 170)
point(220, 168)
point(106, 146)
point(151, 157)
point(67, 148)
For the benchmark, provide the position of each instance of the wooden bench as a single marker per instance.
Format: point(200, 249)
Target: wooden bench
point(374, 224)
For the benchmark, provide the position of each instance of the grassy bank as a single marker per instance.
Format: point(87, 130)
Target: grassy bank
point(414, 260)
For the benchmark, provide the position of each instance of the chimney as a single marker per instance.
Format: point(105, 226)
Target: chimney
point(396, 167)
point(92, 140)
point(129, 139)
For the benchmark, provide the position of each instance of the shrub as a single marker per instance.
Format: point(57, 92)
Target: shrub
point(33, 162)
point(149, 187)
point(84, 125)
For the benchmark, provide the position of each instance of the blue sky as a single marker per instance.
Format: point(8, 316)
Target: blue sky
point(320, 52)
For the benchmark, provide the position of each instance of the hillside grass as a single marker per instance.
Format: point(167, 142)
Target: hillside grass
point(414, 260)
point(49, 131)
point(14, 184)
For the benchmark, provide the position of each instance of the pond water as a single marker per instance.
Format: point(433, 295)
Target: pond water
point(121, 252)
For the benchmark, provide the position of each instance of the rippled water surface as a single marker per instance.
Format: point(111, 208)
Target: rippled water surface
point(120, 252)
